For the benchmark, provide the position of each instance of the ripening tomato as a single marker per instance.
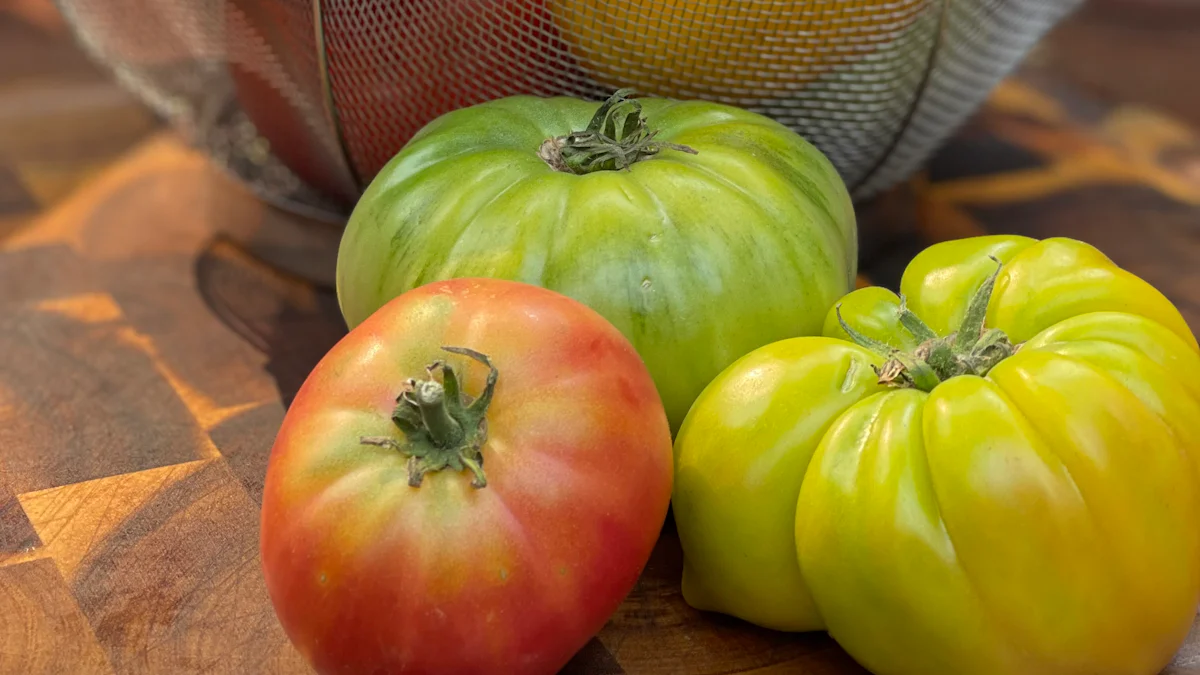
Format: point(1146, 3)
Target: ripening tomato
point(689, 48)
point(997, 472)
point(469, 482)
point(395, 66)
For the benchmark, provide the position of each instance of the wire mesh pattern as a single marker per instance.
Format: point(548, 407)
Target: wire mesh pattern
point(307, 99)
point(436, 56)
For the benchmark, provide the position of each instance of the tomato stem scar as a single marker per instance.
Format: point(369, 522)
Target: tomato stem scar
point(442, 429)
point(971, 350)
point(616, 138)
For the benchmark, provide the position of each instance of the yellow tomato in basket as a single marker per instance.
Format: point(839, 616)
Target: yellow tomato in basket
point(688, 48)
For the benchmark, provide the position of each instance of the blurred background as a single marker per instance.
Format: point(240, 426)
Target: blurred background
point(63, 117)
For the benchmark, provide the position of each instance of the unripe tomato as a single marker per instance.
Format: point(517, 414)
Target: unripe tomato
point(700, 231)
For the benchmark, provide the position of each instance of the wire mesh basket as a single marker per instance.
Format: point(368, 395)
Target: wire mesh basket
point(305, 100)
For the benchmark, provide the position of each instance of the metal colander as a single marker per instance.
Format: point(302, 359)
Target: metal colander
point(305, 100)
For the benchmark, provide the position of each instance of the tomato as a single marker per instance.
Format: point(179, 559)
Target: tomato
point(394, 67)
point(489, 514)
point(384, 71)
point(683, 48)
point(273, 92)
point(1020, 497)
point(696, 258)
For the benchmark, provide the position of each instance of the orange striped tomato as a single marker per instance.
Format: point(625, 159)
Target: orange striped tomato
point(490, 518)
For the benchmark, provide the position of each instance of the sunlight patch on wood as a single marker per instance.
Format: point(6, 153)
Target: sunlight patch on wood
point(85, 308)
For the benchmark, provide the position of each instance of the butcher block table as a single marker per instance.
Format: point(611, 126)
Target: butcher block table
point(156, 320)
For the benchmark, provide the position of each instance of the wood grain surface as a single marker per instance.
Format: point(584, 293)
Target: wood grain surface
point(156, 320)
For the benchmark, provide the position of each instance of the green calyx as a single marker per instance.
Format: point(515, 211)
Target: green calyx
point(971, 350)
point(442, 429)
point(615, 139)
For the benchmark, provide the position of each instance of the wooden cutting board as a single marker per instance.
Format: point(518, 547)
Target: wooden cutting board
point(155, 323)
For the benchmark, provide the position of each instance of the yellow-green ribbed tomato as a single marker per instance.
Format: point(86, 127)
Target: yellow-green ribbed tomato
point(998, 475)
point(724, 232)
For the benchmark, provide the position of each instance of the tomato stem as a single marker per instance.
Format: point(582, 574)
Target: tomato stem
point(430, 397)
point(441, 430)
point(913, 323)
point(971, 350)
point(972, 326)
point(616, 138)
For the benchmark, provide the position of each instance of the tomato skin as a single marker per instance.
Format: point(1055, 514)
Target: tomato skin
point(1041, 519)
point(368, 574)
point(697, 259)
point(741, 451)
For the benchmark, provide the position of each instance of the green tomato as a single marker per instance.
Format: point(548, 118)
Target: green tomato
point(722, 233)
point(1003, 478)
